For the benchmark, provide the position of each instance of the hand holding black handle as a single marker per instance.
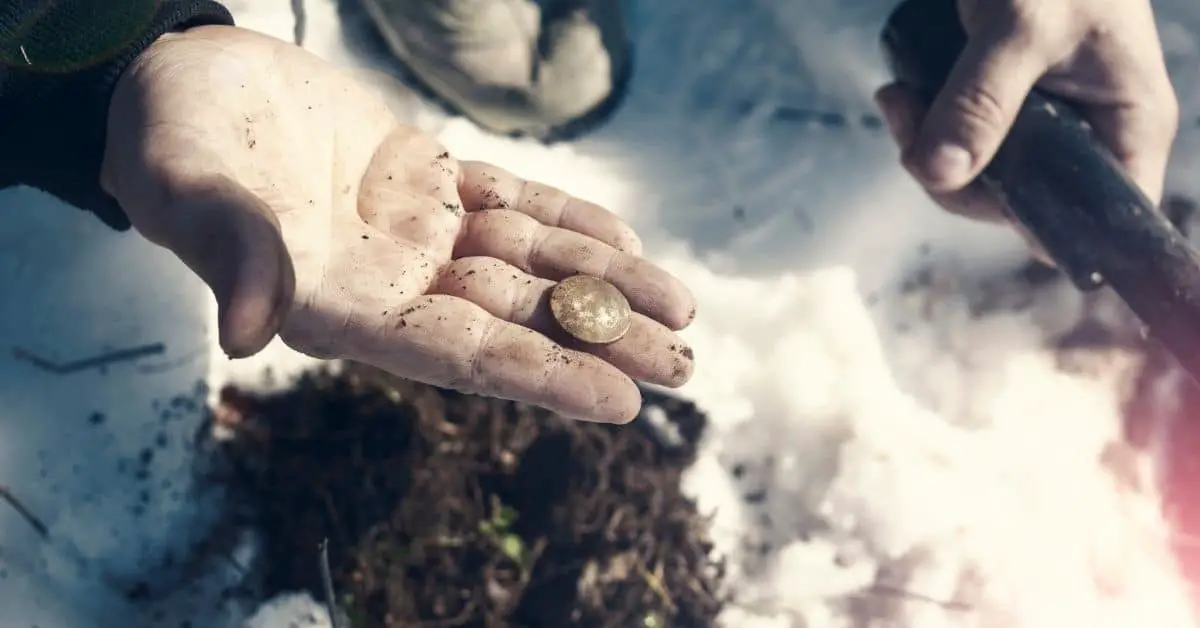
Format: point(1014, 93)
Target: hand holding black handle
point(1067, 189)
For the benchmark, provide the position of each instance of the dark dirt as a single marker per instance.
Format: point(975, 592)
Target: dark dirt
point(445, 509)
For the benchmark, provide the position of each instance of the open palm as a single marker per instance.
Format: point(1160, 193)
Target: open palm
point(299, 198)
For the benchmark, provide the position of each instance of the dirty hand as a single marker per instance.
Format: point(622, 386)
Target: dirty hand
point(310, 211)
point(1102, 55)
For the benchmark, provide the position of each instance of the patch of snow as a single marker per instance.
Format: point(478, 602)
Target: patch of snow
point(98, 455)
point(293, 610)
point(877, 456)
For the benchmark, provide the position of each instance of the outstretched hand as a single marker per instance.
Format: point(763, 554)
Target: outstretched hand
point(312, 213)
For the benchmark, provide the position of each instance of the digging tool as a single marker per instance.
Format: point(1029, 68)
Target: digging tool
point(1067, 189)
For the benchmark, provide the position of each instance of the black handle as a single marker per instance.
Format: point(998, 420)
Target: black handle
point(1067, 189)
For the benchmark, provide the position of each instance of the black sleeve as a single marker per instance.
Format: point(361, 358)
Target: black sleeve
point(59, 63)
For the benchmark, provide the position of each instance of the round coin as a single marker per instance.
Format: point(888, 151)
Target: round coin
point(591, 309)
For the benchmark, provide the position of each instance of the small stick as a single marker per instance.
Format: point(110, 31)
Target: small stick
point(104, 359)
point(43, 531)
point(301, 24)
point(335, 620)
point(654, 581)
point(948, 605)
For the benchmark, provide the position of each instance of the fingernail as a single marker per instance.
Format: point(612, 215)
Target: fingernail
point(948, 167)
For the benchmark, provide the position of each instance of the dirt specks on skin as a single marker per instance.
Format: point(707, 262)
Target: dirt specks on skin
point(440, 160)
point(401, 317)
point(251, 139)
point(444, 508)
point(491, 198)
point(685, 352)
point(678, 371)
point(561, 356)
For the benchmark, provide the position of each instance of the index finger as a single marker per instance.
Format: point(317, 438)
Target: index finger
point(484, 186)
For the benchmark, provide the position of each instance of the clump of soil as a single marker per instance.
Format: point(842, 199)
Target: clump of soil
point(446, 509)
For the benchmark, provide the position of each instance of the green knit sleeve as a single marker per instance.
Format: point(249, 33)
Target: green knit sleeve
point(59, 63)
point(66, 35)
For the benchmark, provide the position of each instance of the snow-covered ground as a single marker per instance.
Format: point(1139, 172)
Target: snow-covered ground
point(883, 452)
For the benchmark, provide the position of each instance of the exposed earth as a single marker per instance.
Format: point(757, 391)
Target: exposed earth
point(445, 509)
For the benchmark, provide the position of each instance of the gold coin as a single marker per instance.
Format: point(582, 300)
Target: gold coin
point(591, 309)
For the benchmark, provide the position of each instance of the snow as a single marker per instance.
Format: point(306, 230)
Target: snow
point(879, 456)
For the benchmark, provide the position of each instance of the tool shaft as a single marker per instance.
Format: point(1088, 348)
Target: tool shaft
point(1067, 189)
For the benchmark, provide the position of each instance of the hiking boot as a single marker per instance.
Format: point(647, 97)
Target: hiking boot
point(542, 68)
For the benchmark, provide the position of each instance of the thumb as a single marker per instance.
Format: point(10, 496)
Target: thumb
point(231, 239)
point(974, 110)
point(902, 113)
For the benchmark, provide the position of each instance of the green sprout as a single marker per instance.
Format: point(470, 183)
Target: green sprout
point(498, 530)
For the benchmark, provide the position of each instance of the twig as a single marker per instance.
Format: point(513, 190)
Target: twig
point(179, 362)
point(331, 511)
point(335, 620)
point(949, 605)
point(654, 581)
point(7, 495)
point(301, 23)
point(104, 359)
